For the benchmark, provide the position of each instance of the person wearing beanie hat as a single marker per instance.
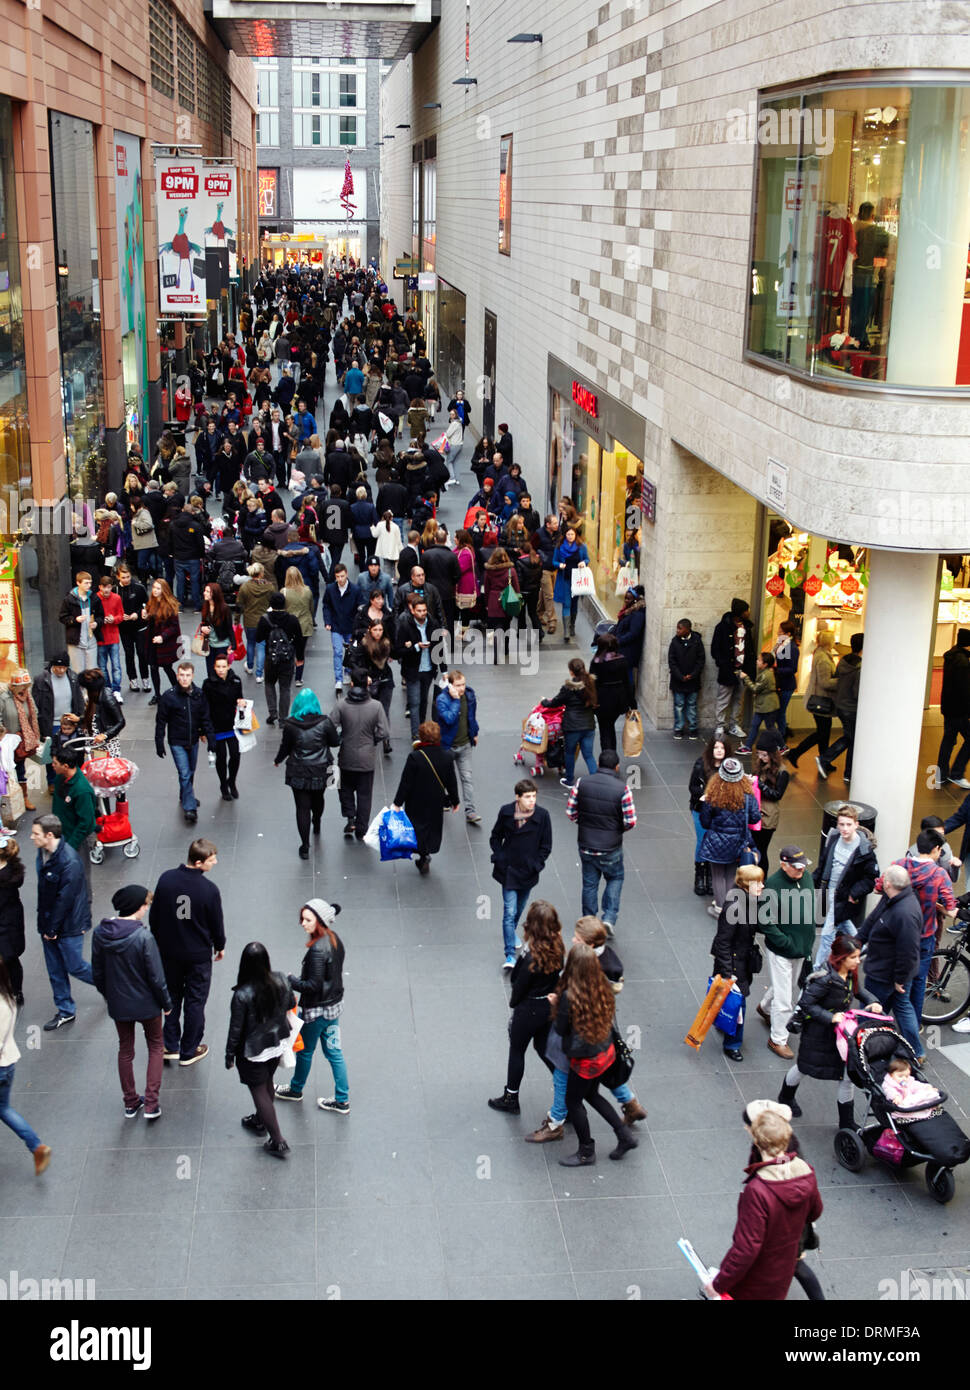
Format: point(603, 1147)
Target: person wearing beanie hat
point(127, 969)
point(56, 693)
point(320, 986)
point(955, 709)
point(827, 995)
point(728, 810)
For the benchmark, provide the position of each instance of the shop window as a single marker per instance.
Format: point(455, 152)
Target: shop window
point(859, 272)
point(160, 38)
point(505, 196)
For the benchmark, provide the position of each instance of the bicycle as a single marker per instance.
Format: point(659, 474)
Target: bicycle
point(947, 995)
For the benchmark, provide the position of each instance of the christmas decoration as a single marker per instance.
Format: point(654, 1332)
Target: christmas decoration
point(850, 585)
point(775, 585)
point(812, 585)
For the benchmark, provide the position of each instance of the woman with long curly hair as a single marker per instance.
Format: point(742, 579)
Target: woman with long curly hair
point(216, 625)
point(583, 1010)
point(162, 615)
point(729, 810)
point(534, 975)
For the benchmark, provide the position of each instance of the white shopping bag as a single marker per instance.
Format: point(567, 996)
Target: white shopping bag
point(372, 837)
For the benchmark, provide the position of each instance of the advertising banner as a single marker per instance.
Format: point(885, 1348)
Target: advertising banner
point(129, 216)
point(267, 182)
point(196, 210)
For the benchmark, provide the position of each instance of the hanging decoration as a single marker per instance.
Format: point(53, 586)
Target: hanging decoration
point(812, 585)
point(775, 585)
point(347, 191)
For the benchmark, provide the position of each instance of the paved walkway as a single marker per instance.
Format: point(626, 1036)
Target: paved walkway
point(423, 1192)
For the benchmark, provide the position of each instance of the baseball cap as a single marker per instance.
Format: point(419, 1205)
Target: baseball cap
point(791, 854)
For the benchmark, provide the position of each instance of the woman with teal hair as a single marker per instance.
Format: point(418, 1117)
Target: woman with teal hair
point(308, 737)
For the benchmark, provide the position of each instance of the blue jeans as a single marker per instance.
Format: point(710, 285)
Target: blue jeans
point(735, 1039)
point(326, 1031)
point(917, 987)
point(610, 866)
point(513, 906)
point(185, 760)
point(901, 1008)
point(698, 835)
point(784, 699)
point(339, 643)
point(9, 1116)
point(770, 721)
point(583, 740)
point(255, 652)
point(828, 936)
point(65, 957)
point(560, 1080)
point(109, 664)
point(191, 570)
point(685, 711)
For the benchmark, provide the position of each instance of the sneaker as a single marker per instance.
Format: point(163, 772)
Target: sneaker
point(259, 680)
point(509, 963)
point(249, 670)
point(339, 1107)
point(58, 1021)
point(735, 732)
point(565, 782)
point(959, 782)
point(609, 928)
point(474, 819)
point(121, 699)
point(713, 910)
point(254, 1123)
point(42, 1157)
point(678, 734)
point(146, 685)
point(963, 1025)
point(191, 817)
point(693, 735)
point(744, 748)
point(280, 1150)
point(349, 828)
point(201, 1051)
point(271, 719)
point(132, 1110)
point(287, 1093)
point(155, 1114)
point(171, 1056)
point(134, 685)
point(338, 690)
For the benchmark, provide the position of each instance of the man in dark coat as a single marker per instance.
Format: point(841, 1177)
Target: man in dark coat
point(521, 842)
point(892, 931)
point(409, 557)
point(187, 922)
point(848, 674)
point(602, 807)
point(733, 651)
point(127, 970)
point(440, 564)
point(183, 714)
point(63, 915)
point(685, 658)
point(955, 709)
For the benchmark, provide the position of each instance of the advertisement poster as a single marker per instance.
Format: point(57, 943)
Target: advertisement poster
point(196, 210)
point(130, 214)
point(267, 185)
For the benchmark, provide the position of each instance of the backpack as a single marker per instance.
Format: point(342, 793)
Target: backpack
point(279, 648)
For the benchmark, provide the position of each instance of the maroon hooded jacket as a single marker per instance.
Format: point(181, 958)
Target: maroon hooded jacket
point(779, 1196)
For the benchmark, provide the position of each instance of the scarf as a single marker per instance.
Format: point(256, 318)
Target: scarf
point(29, 731)
point(567, 549)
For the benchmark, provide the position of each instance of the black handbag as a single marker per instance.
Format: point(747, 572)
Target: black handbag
point(820, 704)
point(620, 1069)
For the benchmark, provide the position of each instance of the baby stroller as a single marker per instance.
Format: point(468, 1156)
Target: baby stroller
point(110, 778)
point(542, 739)
point(899, 1135)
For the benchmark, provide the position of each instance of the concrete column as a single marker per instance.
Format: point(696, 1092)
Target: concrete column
point(900, 611)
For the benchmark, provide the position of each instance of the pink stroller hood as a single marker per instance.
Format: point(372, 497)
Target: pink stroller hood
point(855, 1019)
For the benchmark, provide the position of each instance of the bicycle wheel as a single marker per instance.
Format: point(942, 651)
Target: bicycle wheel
point(948, 995)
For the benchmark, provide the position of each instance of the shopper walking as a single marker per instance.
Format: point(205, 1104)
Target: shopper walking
point(955, 709)
point(133, 628)
point(308, 736)
point(18, 715)
point(78, 620)
point(300, 602)
point(127, 970)
point(736, 954)
point(456, 708)
point(847, 678)
point(786, 654)
point(578, 694)
point(932, 885)
point(258, 1026)
point(428, 785)
point(787, 917)
point(892, 932)
point(819, 700)
point(772, 784)
point(162, 634)
point(611, 673)
point(728, 811)
point(732, 650)
point(63, 915)
point(9, 1057)
point(278, 632)
point(74, 804)
point(253, 599)
point(846, 873)
point(224, 696)
point(362, 726)
point(320, 985)
point(215, 626)
point(534, 977)
point(630, 629)
point(715, 751)
point(520, 842)
point(13, 941)
point(765, 703)
point(602, 807)
point(341, 599)
point(183, 716)
point(187, 922)
point(685, 660)
point(571, 554)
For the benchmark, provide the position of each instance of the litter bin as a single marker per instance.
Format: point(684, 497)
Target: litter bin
point(867, 818)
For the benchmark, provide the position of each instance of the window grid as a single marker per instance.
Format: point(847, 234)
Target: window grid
point(185, 59)
point(267, 127)
point(160, 39)
point(226, 102)
point(312, 128)
point(268, 88)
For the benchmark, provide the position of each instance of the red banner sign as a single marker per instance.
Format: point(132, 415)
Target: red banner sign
point(585, 399)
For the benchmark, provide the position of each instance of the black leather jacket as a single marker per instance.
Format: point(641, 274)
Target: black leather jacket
point(250, 1035)
point(321, 979)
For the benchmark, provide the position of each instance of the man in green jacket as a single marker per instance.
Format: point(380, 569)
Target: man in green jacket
point(787, 917)
point(75, 806)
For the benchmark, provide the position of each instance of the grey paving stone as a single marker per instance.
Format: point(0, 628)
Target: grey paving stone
point(116, 1254)
point(240, 1240)
point(129, 1181)
point(614, 1233)
point(514, 1288)
point(353, 1245)
point(379, 1173)
point(502, 1238)
point(241, 1177)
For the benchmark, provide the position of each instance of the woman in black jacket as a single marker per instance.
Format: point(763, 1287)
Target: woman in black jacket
point(369, 663)
point(12, 942)
point(102, 717)
point(529, 569)
point(772, 783)
point(736, 955)
point(825, 998)
point(534, 977)
point(428, 784)
point(611, 673)
point(578, 695)
point(258, 1023)
point(715, 751)
point(224, 694)
point(320, 985)
point(308, 736)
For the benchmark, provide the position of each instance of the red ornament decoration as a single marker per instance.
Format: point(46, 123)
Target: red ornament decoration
point(849, 585)
point(775, 585)
point(812, 585)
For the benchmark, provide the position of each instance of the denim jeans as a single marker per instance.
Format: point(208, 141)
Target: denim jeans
point(610, 866)
point(418, 688)
point(463, 766)
point(784, 699)
point(513, 906)
point(917, 986)
point(191, 570)
point(255, 652)
point(185, 760)
point(339, 643)
point(560, 1080)
point(9, 1116)
point(770, 721)
point(901, 1008)
point(825, 941)
point(327, 1032)
point(109, 664)
point(685, 711)
point(65, 957)
point(583, 740)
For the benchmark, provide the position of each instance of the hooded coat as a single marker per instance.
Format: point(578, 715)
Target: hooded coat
point(858, 877)
point(722, 649)
point(363, 727)
point(825, 993)
point(127, 970)
point(778, 1197)
point(305, 745)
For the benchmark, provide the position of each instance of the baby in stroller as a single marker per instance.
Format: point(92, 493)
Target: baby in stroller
point(914, 1098)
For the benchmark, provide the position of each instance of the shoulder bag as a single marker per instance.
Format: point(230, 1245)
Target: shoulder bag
point(441, 784)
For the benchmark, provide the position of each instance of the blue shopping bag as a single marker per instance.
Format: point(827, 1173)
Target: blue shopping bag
point(396, 836)
point(731, 1010)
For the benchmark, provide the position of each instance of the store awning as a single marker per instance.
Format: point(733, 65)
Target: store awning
point(387, 29)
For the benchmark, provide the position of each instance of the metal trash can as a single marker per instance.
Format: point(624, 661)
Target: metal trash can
point(867, 818)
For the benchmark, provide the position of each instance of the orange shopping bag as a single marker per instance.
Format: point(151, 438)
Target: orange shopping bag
point(708, 1012)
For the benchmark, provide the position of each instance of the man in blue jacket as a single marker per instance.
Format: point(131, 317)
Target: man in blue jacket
point(63, 915)
point(341, 600)
point(456, 708)
point(521, 842)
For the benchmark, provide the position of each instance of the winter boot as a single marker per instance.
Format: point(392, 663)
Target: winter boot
point(700, 888)
point(786, 1096)
point(708, 883)
point(625, 1139)
point(546, 1132)
point(584, 1155)
point(633, 1111)
point(507, 1101)
point(846, 1114)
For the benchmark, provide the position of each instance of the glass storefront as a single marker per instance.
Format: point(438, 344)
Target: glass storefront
point(78, 302)
point(861, 231)
point(604, 482)
point(451, 340)
point(129, 214)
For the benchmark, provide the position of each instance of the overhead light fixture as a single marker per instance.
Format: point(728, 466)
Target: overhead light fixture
point(465, 82)
point(390, 137)
point(401, 126)
point(525, 38)
point(431, 106)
